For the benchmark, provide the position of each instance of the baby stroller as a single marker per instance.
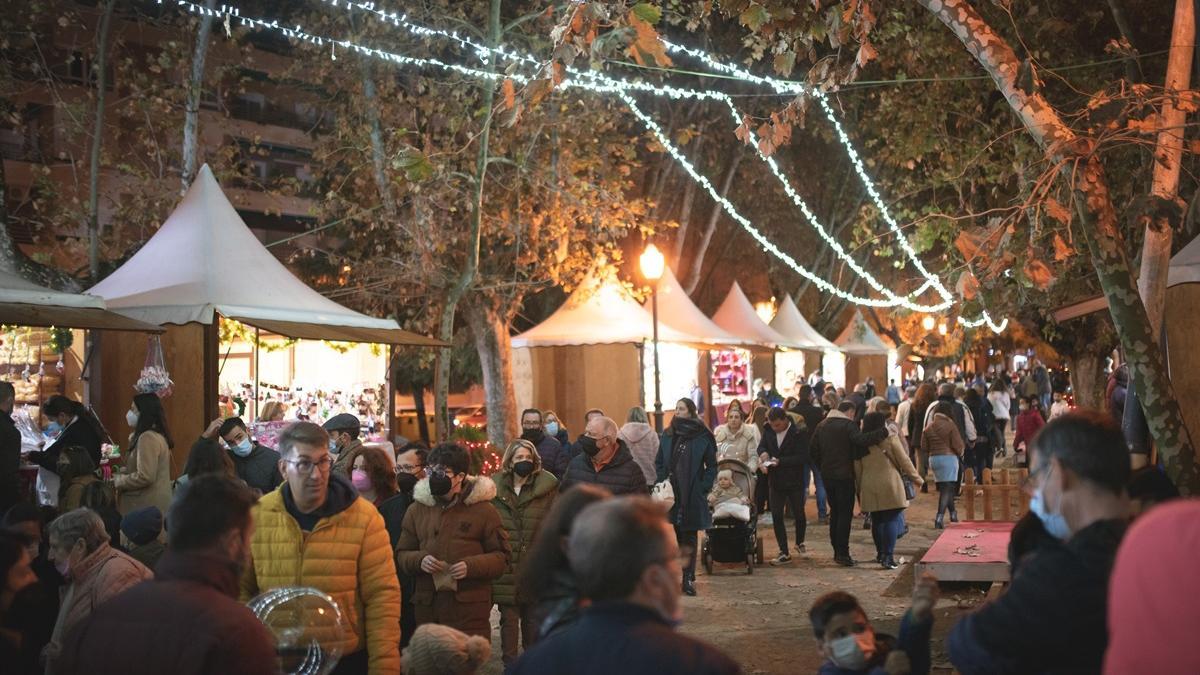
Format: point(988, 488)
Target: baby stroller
point(732, 540)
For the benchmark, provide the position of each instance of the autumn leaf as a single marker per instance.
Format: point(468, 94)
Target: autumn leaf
point(1038, 273)
point(647, 12)
point(1188, 101)
point(510, 94)
point(754, 17)
point(646, 44)
point(968, 285)
point(866, 54)
point(1057, 211)
point(1148, 125)
point(969, 244)
point(1062, 250)
point(743, 131)
point(785, 62)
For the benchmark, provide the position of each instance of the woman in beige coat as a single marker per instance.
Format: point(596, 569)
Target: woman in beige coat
point(879, 477)
point(737, 440)
point(145, 480)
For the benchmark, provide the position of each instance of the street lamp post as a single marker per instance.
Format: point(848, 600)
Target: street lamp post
point(652, 264)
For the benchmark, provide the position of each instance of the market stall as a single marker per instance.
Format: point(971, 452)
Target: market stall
point(867, 355)
point(583, 355)
point(737, 316)
point(1182, 330)
point(204, 264)
point(796, 365)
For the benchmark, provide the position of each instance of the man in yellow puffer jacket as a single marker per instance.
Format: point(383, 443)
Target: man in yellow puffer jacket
point(315, 530)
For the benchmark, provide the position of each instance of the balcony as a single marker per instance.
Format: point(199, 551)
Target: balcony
point(310, 121)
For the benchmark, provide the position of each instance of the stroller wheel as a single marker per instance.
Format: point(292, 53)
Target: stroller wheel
point(758, 550)
point(708, 562)
point(749, 563)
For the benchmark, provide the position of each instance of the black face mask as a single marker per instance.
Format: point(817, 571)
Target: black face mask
point(406, 481)
point(532, 435)
point(588, 445)
point(439, 484)
point(523, 468)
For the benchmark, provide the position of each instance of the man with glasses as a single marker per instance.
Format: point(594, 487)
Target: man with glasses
point(604, 461)
point(553, 455)
point(315, 530)
point(454, 543)
point(1052, 617)
point(410, 468)
point(626, 561)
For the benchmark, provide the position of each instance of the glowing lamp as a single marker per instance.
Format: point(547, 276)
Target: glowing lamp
point(942, 329)
point(652, 263)
point(927, 322)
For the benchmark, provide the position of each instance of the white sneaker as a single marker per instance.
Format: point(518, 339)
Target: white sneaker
point(783, 559)
point(766, 519)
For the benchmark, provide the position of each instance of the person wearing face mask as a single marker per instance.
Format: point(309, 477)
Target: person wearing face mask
point(851, 646)
point(96, 572)
point(454, 543)
point(145, 480)
point(553, 455)
point(315, 530)
point(1056, 607)
point(687, 456)
point(626, 560)
point(575, 448)
point(253, 462)
point(605, 461)
point(410, 469)
point(524, 494)
point(190, 608)
point(344, 443)
point(78, 427)
point(1029, 423)
point(555, 428)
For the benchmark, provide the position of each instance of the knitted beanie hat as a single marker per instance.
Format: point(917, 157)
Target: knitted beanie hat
point(725, 473)
point(143, 525)
point(442, 650)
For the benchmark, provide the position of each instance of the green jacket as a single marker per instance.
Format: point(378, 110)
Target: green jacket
point(521, 515)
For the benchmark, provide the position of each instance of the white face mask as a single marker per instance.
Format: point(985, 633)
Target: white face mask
point(131, 418)
point(847, 653)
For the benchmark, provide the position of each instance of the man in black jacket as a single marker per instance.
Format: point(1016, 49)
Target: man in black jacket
point(784, 450)
point(10, 450)
point(550, 451)
point(604, 461)
point(256, 464)
point(836, 443)
point(813, 415)
point(1055, 610)
point(625, 557)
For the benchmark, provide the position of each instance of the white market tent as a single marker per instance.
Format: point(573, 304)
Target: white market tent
point(737, 316)
point(1185, 265)
point(676, 309)
point(25, 303)
point(815, 352)
point(867, 355)
point(593, 353)
point(204, 261)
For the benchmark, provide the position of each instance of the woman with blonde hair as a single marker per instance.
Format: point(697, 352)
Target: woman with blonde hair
point(272, 411)
point(524, 494)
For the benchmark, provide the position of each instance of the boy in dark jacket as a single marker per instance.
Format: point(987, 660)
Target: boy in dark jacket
point(851, 646)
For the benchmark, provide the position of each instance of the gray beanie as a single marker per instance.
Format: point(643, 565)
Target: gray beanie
point(442, 650)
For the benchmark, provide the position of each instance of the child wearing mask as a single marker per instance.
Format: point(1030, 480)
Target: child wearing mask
point(851, 646)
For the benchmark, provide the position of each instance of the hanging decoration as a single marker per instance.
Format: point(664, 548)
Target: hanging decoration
point(154, 378)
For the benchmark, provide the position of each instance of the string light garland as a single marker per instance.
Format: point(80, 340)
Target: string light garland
point(600, 83)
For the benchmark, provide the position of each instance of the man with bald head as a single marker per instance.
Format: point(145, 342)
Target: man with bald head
point(604, 460)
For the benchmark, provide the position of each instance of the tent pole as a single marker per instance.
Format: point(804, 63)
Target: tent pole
point(257, 377)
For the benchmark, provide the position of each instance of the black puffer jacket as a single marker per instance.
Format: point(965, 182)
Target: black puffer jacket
point(837, 442)
point(621, 476)
point(260, 469)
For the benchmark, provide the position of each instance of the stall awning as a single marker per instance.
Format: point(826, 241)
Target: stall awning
point(791, 324)
point(676, 309)
point(737, 316)
point(15, 313)
point(308, 331)
point(859, 340)
point(204, 261)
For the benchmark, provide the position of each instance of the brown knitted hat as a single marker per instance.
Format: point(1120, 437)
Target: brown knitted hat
point(442, 650)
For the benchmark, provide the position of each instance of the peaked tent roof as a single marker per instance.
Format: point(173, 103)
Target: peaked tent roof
point(790, 323)
point(25, 303)
point(737, 316)
point(599, 311)
point(677, 310)
point(1185, 265)
point(204, 260)
point(858, 339)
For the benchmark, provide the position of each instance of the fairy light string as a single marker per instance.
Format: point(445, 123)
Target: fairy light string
point(600, 83)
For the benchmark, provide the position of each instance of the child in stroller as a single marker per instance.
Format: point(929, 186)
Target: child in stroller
point(734, 534)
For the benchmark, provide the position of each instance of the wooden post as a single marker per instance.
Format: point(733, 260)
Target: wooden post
point(969, 483)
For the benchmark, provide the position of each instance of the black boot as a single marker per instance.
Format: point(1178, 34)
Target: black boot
point(689, 585)
point(954, 515)
point(937, 522)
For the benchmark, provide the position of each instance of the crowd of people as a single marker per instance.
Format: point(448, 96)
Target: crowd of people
point(585, 548)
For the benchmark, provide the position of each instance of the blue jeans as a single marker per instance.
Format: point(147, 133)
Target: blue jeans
point(886, 527)
point(822, 506)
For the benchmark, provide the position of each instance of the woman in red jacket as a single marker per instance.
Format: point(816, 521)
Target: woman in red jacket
point(1029, 422)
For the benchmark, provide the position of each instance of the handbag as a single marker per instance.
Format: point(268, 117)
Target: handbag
point(910, 490)
point(663, 492)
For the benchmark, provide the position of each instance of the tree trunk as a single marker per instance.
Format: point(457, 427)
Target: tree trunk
point(714, 217)
point(418, 393)
point(685, 208)
point(1088, 379)
point(378, 148)
point(494, 345)
point(195, 91)
point(1099, 229)
point(97, 138)
point(467, 275)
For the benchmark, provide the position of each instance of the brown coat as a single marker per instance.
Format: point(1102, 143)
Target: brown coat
point(73, 497)
point(941, 437)
point(467, 529)
point(102, 574)
point(146, 478)
point(880, 485)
